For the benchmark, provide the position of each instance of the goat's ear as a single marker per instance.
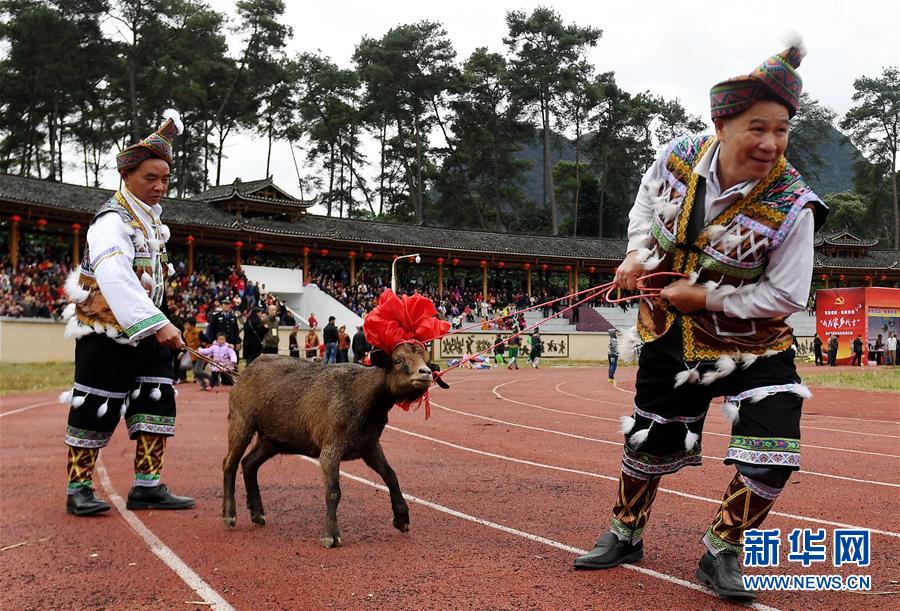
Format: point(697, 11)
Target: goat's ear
point(381, 359)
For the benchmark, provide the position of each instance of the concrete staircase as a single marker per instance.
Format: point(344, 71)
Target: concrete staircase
point(555, 325)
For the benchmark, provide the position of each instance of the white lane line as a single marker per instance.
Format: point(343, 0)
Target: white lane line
point(619, 443)
point(894, 422)
point(28, 407)
point(593, 474)
point(546, 409)
point(526, 535)
point(802, 426)
point(161, 550)
point(805, 445)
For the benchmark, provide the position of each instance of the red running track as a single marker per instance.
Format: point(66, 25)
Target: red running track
point(516, 471)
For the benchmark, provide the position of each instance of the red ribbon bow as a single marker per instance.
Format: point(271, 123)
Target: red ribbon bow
point(398, 320)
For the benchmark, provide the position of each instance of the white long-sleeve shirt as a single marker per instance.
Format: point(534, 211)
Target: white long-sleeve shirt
point(112, 254)
point(784, 287)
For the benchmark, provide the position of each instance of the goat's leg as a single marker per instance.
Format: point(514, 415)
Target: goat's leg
point(239, 435)
point(260, 453)
point(375, 459)
point(330, 461)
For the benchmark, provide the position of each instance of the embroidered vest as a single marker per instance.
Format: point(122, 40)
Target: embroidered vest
point(150, 264)
point(732, 250)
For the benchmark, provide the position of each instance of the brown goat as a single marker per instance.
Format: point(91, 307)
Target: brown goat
point(329, 412)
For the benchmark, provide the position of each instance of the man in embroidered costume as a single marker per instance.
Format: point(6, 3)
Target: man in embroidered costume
point(123, 362)
point(737, 221)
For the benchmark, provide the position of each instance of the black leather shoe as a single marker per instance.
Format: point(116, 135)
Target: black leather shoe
point(610, 551)
point(156, 497)
point(722, 573)
point(84, 503)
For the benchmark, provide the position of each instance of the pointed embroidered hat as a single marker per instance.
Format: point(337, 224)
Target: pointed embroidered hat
point(158, 144)
point(774, 78)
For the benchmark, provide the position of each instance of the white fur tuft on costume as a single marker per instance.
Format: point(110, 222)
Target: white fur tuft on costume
point(155, 394)
point(65, 397)
point(68, 311)
point(731, 412)
point(78, 401)
point(747, 359)
point(653, 262)
point(171, 113)
point(802, 391)
point(171, 269)
point(74, 290)
point(732, 240)
point(725, 365)
point(794, 39)
point(101, 411)
point(75, 330)
point(714, 232)
point(626, 423)
point(164, 233)
point(638, 439)
point(629, 345)
point(136, 392)
point(693, 276)
point(642, 255)
point(668, 211)
point(690, 439)
point(153, 243)
point(123, 409)
point(688, 376)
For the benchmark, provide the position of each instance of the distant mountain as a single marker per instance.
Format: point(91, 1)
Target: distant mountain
point(834, 175)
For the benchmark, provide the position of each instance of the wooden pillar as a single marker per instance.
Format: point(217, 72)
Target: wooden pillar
point(352, 256)
point(528, 279)
point(440, 286)
point(76, 244)
point(14, 241)
point(306, 264)
point(190, 264)
point(577, 268)
point(484, 287)
point(237, 250)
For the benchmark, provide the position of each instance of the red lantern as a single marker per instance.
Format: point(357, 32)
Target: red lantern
point(841, 277)
point(190, 239)
point(455, 262)
point(41, 223)
point(76, 226)
point(15, 218)
point(440, 260)
point(368, 255)
point(883, 277)
point(483, 263)
point(568, 268)
point(592, 269)
point(527, 266)
point(544, 267)
point(868, 278)
point(306, 250)
point(824, 276)
point(501, 264)
point(238, 244)
point(352, 254)
point(258, 246)
point(324, 252)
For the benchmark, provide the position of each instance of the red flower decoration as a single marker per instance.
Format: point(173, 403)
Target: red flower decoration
point(397, 320)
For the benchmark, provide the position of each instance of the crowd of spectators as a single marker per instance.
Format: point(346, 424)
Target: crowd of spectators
point(34, 289)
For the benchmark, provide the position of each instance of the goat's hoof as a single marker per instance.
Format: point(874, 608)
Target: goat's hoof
point(401, 524)
point(230, 522)
point(329, 541)
point(259, 519)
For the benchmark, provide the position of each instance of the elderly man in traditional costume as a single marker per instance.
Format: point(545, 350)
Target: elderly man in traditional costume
point(731, 216)
point(123, 362)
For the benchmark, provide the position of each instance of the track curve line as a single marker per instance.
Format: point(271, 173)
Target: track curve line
point(619, 443)
point(610, 478)
point(529, 536)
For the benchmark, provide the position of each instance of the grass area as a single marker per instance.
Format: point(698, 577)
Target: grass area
point(30, 377)
point(881, 379)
